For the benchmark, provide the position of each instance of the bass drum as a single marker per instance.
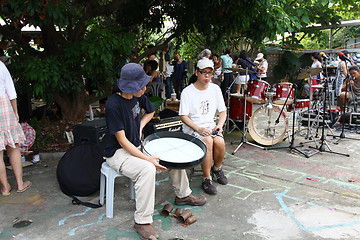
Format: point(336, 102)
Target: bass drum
point(262, 127)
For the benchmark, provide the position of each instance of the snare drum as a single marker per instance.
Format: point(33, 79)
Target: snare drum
point(282, 91)
point(256, 90)
point(237, 106)
point(302, 103)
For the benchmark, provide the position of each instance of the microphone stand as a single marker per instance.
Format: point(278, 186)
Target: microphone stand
point(292, 142)
point(245, 127)
point(323, 138)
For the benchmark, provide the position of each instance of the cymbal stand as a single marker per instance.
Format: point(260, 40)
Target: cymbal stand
point(245, 130)
point(323, 138)
point(292, 143)
point(326, 91)
point(309, 134)
point(228, 119)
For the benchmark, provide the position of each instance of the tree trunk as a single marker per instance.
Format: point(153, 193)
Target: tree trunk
point(73, 107)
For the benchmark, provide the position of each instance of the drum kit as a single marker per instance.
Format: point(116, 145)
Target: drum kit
point(261, 123)
point(268, 124)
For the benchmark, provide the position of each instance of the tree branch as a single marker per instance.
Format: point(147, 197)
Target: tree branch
point(156, 48)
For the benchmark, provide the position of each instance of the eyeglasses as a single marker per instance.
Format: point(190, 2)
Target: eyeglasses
point(206, 73)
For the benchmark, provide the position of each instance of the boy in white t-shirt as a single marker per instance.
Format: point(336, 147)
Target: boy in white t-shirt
point(198, 106)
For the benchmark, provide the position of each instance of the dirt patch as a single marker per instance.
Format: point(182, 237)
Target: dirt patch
point(51, 136)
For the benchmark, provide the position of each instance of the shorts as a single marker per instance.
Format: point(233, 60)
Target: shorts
point(242, 79)
point(192, 132)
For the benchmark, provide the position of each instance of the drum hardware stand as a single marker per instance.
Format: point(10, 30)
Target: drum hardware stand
point(309, 134)
point(245, 130)
point(323, 138)
point(326, 91)
point(319, 117)
point(292, 143)
point(228, 119)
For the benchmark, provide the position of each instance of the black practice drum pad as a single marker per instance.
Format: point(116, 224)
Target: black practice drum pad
point(176, 150)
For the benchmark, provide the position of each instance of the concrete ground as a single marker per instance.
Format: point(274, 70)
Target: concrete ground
point(272, 194)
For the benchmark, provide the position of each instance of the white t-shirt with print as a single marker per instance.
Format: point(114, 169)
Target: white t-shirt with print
point(201, 106)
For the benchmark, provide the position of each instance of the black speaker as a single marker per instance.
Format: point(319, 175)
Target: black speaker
point(95, 132)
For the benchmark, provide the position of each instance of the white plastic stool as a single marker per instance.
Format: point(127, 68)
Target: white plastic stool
point(110, 174)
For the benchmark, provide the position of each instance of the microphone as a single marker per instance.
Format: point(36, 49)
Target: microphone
point(343, 57)
point(323, 55)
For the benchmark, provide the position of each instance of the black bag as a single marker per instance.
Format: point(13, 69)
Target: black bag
point(78, 172)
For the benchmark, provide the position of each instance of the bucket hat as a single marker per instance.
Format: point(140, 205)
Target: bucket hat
point(132, 78)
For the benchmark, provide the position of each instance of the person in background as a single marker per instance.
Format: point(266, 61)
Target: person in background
point(169, 69)
point(11, 133)
point(353, 91)
point(315, 80)
point(125, 122)
point(151, 56)
point(206, 53)
point(180, 73)
point(199, 104)
point(243, 63)
point(151, 70)
point(217, 78)
point(341, 73)
point(227, 62)
point(262, 66)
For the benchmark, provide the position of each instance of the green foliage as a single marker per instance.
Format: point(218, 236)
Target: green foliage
point(91, 39)
point(344, 34)
point(289, 63)
point(41, 74)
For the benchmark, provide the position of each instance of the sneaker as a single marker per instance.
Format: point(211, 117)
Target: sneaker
point(190, 200)
point(146, 231)
point(219, 176)
point(209, 187)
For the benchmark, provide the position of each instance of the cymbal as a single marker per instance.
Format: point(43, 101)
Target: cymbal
point(239, 70)
point(317, 86)
point(309, 72)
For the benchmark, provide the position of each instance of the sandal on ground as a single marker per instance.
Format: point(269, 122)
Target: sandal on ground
point(26, 188)
point(6, 194)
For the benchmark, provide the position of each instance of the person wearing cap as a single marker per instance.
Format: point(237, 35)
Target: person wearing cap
point(122, 152)
point(198, 106)
point(262, 66)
